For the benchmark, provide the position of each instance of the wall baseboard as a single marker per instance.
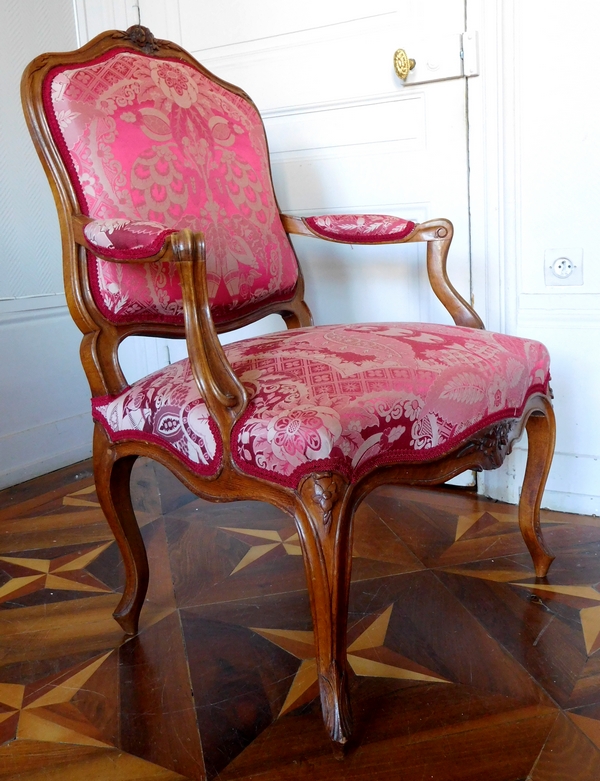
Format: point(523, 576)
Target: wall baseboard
point(42, 449)
point(568, 471)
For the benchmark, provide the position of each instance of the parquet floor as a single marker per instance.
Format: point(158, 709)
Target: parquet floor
point(465, 667)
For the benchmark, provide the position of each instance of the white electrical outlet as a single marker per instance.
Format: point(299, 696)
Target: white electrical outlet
point(563, 266)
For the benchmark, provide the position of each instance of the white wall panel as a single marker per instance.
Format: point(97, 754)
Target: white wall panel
point(574, 481)
point(575, 380)
point(96, 16)
point(29, 234)
point(246, 21)
point(535, 136)
point(161, 17)
point(417, 175)
point(400, 123)
point(45, 421)
point(559, 127)
point(342, 62)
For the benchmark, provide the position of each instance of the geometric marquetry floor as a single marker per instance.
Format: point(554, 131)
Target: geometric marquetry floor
point(464, 668)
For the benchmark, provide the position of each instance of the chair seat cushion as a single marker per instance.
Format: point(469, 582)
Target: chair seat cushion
point(342, 397)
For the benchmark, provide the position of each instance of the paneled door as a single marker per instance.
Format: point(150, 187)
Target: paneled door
point(346, 134)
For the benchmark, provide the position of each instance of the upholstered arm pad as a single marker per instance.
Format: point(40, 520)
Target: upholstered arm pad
point(360, 228)
point(353, 228)
point(122, 239)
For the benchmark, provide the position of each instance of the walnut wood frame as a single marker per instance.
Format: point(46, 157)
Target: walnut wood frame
point(324, 503)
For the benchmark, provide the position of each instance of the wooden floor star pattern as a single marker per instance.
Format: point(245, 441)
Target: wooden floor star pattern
point(463, 665)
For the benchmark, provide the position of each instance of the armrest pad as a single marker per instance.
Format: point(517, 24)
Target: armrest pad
point(124, 239)
point(360, 228)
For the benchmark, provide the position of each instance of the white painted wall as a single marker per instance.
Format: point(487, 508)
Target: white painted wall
point(535, 165)
point(44, 397)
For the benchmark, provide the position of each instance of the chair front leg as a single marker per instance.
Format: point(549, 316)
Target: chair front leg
point(324, 520)
point(541, 435)
point(112, 476)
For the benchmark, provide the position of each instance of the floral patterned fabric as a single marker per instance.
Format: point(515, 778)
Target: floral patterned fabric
point(339, 397)
point(157, 141)
point(121, 238)
point(360, 228)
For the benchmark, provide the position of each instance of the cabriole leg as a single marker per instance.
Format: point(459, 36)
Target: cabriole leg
point(324, 524)
point(112, 477)
point(541, 434)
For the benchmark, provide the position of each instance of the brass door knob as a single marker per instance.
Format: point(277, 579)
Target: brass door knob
point(402, 65)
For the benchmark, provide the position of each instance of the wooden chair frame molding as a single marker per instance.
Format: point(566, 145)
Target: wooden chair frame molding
point(324, 504)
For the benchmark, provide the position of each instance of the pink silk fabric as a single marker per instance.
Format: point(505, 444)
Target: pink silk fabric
point(119, 238)
point(346, 398)
point(360, 228)
point(157, 141)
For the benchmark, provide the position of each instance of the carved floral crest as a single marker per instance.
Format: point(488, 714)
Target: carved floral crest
point(323, 491)
point(142, 37)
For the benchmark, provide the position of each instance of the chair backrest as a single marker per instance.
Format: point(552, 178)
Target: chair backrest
point(145, 133)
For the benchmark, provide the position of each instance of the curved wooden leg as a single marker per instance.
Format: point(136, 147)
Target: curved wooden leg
point(112, 477)
point(324, 525)
point(541, 434)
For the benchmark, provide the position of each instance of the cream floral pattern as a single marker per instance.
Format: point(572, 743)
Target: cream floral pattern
point(122, 237)
point(156, 141)
point(340, 397)
point(360, 228)
point(164, 407)
point(176, 84)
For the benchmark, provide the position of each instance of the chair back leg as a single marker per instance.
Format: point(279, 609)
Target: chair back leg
point(541, 434)
point(112, 476)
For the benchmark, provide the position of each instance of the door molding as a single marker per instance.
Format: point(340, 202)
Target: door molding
point(495, 180)
point(95, 16)
point(494, 164)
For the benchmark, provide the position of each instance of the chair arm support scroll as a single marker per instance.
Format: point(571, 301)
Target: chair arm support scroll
point(438, 235)
point(219, 387)
point(380, 229)
point(101, 339)
point(223, 393)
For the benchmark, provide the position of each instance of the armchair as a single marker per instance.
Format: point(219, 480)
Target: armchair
point(170, 227)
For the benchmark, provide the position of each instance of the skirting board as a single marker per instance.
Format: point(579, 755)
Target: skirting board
point(37, 451)
point(573, 484)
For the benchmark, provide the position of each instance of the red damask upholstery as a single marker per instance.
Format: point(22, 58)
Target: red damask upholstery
point(157, 141)
point(347, 398)
point(119, 238)
point(360, 228)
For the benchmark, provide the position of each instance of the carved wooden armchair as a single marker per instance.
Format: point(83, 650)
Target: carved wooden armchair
point(170, 227)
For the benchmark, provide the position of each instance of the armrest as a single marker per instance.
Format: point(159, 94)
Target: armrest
point(223, 393)
point(381, 229)
point(121, 240)
point(352, 228)
point(128, 241)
